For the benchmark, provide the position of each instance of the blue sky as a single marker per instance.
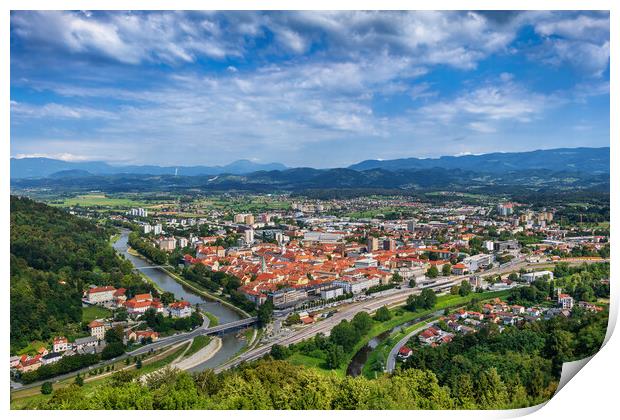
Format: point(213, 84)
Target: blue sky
point(319, 89)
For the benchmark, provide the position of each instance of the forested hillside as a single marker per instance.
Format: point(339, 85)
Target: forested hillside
point(54, 257)
point(488, 370)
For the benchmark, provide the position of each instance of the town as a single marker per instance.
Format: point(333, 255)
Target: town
point(306, 258)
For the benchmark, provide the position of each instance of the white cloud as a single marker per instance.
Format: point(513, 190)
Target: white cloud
point(57, 111)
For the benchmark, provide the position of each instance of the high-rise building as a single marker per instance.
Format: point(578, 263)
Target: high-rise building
point(411, 225)
point(373, 244)
point(389, 244)
point(248, 219)
point(249, 236)
point(157, 229)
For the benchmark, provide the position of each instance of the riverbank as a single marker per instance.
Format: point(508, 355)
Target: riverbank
point(25, 398)
point(400, 316)
point(202, 355)
point(202, 291)
point(381, 352)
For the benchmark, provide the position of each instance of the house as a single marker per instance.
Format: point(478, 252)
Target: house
point(181, 309)
point(139, 336)
point(60, 344)
point(429, 335)
point(85, 342)
point(42, 351)
point(97, 329)
point(565, 301)
point(30, 364)
point(119, 296)
point(459, 269)
point(51, 358)
point(140, 303)
point(103, 294)
point(14, 361)
point(405, 352)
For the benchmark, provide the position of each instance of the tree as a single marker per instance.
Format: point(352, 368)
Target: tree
point(465, 288)
point(428, 298)
point(112, 350)
point(121, 314)
point(139, 364)
point(432, 272)
point(412, 282)
point(167, 298)
point(362, 322)
point(293, 319)
point(265, 313)
point(383, 314)
point(79, 381)
point(344, 334)
point(279, 352)
point(46, 388)
point(114, 335)
point(446, 270)
point(397, 278)
point(334, 357)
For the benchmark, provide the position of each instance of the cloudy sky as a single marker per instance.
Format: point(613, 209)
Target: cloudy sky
point(318, 89)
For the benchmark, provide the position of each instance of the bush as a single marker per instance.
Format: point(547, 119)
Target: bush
point(383, 314)
point(46, 388)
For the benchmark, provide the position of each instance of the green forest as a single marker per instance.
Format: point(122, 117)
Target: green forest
point(55, 256)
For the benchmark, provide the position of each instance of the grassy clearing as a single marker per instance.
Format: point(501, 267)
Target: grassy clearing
point(213, 320)
point(198, 343)
point(90, 313)
point(32, 348)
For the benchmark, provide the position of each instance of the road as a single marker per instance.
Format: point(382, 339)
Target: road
point(349, 311)
point(162, 342)
point(346, 312)
point(391, 361)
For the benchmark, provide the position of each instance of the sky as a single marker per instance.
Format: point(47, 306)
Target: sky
point(320, 89)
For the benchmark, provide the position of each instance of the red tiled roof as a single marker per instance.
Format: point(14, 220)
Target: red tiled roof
point(101, 289)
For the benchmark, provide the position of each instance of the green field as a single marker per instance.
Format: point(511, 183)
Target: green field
point(99, 200)
point(90, 313)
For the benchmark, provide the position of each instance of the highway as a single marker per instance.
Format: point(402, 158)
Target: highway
point(348, 312)
point(389, 298)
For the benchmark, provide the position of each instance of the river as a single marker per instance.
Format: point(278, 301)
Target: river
point(360, 358)
point(232, 342)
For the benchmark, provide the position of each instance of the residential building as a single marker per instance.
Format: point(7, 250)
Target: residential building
point(102, 294)
point(373, 244)
point(530, 277)
point(181, 309)
point(60, 344)
point(97, 329)
point(51, 358)
point(331, 293)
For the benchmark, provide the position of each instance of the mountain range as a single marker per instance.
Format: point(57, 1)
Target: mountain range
point(583, 159)
point(44, 167)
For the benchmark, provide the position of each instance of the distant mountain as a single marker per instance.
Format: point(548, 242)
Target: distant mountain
point(582, 159)
point(70, 173)
point(44, 167)
point(308, 179)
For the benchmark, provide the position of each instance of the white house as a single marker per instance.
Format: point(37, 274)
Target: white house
point(180, 309)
